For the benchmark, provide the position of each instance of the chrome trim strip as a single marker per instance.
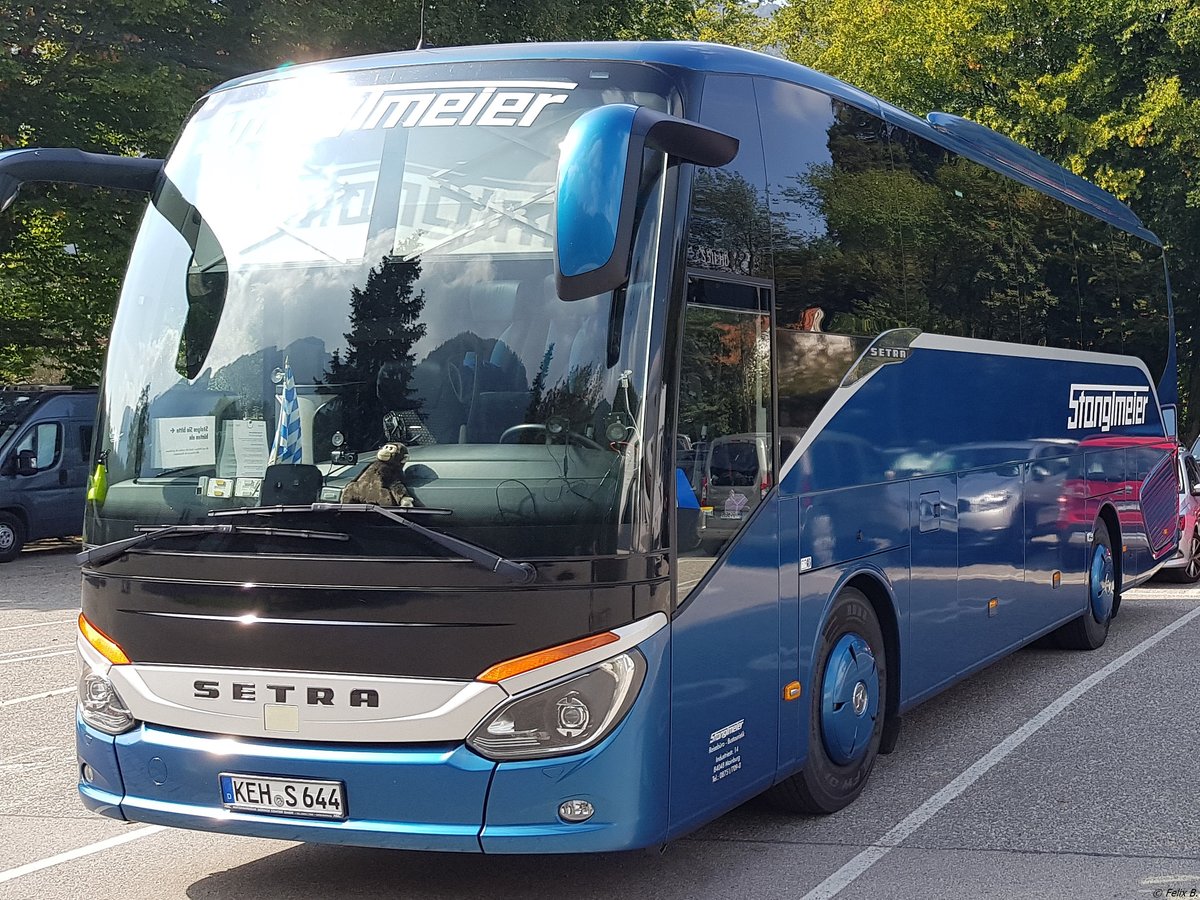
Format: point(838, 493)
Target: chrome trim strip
point(409, 710)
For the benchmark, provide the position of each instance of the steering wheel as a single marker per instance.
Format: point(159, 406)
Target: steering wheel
point(537, 426)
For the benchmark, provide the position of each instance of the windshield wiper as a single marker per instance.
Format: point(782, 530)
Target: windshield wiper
point(171, 473)
point(105, 553)
point(520, 572)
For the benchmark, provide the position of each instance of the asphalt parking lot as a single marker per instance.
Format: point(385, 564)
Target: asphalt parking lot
point(1051, 773)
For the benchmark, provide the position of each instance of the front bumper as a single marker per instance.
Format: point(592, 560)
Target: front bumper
point(412, 797)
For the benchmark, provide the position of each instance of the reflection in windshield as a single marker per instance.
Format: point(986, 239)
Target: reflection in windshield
point(14, 407)
point(384, 279)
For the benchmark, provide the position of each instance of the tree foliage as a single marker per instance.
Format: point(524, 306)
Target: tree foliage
point(119, 76)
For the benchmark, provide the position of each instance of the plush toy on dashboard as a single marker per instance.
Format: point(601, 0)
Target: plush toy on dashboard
point(382, 482)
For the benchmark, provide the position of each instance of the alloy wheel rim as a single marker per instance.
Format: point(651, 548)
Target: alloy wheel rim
point(7, 538)
point(1102, 583)
point(1193, 566)
point(849, 699)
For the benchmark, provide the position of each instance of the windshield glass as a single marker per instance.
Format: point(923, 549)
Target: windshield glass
point(14, 408)
point(351, 275)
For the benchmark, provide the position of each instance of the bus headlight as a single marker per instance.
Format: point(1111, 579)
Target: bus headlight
point(101, 706)
point(564, 718)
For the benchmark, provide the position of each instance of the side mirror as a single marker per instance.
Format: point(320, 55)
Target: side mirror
point(599, 173)
point(27, 463)
point(126, 173)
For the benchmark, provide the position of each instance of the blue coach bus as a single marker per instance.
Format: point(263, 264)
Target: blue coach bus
point(547, 448)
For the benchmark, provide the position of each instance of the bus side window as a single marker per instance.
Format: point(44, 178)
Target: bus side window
point(725, 406)
point(725, 394)
point(837, 255)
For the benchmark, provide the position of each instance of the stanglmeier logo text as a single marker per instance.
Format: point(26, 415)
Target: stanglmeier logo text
point(444, 104)
point(1106, 406)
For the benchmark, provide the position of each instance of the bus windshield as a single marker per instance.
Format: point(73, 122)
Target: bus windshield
point(352, 273)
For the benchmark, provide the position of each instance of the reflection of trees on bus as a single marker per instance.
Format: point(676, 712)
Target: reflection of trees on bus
point(834, 234)
point(730, 227)
point(139, 427)
point(576, 398)
point(894, 231)
point(725, 370)
point(376, 371)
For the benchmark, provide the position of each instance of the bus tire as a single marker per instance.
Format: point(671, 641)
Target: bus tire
point(847, 700)
point(12, 536)
point(1090, 630)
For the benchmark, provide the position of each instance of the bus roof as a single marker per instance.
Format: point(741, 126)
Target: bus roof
point(962, 136)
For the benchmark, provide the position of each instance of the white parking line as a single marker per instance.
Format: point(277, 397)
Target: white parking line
point(99, 846)
point(35, 656)
point(31, 650)
point(839, 880)
point(37, 624)
point(15, 700)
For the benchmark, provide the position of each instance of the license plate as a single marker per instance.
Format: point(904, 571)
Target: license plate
point(283, 796)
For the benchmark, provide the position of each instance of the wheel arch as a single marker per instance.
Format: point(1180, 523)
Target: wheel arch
point(19, 512)
point(876, 588)
point(1108, 515)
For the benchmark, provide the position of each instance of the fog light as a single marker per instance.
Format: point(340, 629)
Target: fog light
point(575, 811)
point(86, 772)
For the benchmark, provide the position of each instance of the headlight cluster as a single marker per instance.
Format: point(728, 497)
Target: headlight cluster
point(101, 706)
point(564, 718)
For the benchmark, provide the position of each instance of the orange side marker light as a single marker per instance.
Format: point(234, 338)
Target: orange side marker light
point(539, 658)
point(107, 647)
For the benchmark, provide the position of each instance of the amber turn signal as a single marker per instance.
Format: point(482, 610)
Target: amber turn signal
point(107, 647)
point(539, 658)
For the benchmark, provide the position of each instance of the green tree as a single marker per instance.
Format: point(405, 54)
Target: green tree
point(110, 76)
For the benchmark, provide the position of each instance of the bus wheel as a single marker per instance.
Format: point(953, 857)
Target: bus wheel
point(1090, 630)
point(846, 706)
point(12, 536)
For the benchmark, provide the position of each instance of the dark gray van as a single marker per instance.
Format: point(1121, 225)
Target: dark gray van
point(45, 458)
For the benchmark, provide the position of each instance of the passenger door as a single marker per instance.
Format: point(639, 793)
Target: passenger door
point(725, 411)
point(46, 494)
point(734, 633)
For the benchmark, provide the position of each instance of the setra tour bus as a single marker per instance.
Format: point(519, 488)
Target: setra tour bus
point(547, 448)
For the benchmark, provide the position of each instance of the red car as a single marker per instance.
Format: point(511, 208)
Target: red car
point(1141, 485)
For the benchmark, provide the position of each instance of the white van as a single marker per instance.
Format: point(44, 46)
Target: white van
point(737, 475)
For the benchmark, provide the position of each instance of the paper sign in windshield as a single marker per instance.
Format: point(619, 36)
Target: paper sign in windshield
point(244, 449)
point(186, 441)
